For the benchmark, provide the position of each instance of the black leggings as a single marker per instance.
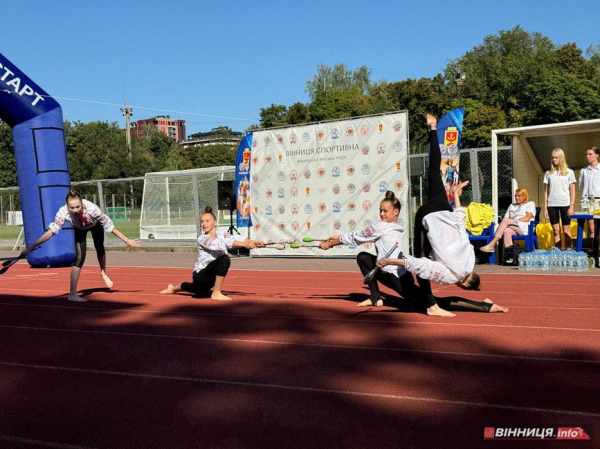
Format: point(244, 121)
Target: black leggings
point(81, 244)
point(404, 286)
point(437, 200)
point(204, 280)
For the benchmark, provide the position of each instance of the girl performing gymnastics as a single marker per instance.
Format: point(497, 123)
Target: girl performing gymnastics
point(440, 232)
point(213, 261)
point(84, 216)
point(387, 234)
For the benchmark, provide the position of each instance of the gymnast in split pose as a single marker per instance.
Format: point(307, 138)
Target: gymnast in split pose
point(84, 216)
point(213, 261)
point(440, 233)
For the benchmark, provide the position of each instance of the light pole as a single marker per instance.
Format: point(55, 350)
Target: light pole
point(127, 113)
point(459, 78)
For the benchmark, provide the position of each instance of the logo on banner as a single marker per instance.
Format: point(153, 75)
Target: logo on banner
point(398, 165)
point(335, 171)
point(335, 133)
point(308, 208)
point(349, 131)
point(366, 169)
point(366, 187)
point(381, 148)
point(351, 206)
point(380, 127)
point(255, 160)
point(293, 175)
point(307, 173)
point(337, 225)
point(352, 225)
point(336, 189)
point(451, 137)
point(350, 170)
point(308, 225)
point(364, 130)
point(368, 223)
point(280, 140)
point(305, 137)
point(268, 159)
point(366, 205)
point(281, 209)
point(398, 185)
point(294, 191)
point(322, 207)
point(320, 134)
point(295, 209)
point(255, 177)
point(269, 193)
point(255, 194)
point(295, 226)
point(307, 190)
point(268, 210)
point(280, 193)
point(256, 227)
point(337, 207)
point(293, 139)
point(365, 150)
point(267, 140)
point(397, 127)
point(351, 188)
point(281, 226)
point(397, 146)
point(321, 172)
point(383, 186)
point(281, 176)
point(279, 157)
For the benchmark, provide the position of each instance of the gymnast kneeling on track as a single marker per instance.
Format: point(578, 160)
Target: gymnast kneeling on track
point(387, 235)
point(213, 261)
point(84, 216)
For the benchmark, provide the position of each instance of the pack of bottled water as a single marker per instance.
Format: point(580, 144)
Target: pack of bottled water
point(555, 260)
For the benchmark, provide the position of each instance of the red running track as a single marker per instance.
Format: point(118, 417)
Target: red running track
point(290, 362)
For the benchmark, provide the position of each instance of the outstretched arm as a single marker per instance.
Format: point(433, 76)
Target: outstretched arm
point(128, 242)
point(43, 238)
point(332, 241)
point(457, 190)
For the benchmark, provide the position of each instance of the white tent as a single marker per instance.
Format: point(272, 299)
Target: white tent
point(532, 147)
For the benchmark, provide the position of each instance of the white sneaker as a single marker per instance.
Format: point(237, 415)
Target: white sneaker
point(76, 298)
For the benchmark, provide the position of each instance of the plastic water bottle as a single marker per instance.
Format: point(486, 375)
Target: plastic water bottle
point(522, 261)
point(585, 204)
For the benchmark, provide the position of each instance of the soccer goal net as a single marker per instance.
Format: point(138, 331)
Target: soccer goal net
point(174, 201)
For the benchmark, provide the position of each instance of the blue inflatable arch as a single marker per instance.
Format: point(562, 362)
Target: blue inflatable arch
point(36, 120)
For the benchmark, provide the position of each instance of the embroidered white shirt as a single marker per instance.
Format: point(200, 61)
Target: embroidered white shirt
point(90, 216)
point(450, 245)
point(210, 248)
point(385, 235)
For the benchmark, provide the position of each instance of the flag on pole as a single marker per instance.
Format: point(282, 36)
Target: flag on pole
point(449, 131)
point(242, 181)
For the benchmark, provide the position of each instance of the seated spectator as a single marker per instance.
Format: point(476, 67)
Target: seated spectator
point(515, 221)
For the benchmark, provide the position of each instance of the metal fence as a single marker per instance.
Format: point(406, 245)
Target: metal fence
point(177, 196)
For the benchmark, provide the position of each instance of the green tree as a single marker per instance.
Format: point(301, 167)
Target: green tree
point(298, 113)
point(213, 156)
point(478, 123)
point(273, 116)
point(338, 79)
point(561, 97)
point(8, 169)
point(499, 71)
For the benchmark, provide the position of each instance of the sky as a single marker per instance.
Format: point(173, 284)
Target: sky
point(217, 63)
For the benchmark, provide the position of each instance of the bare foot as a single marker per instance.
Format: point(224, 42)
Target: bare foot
point(76, 298)
point(436, 310)
point(218, 296)
point(495, 308)
point(170, 290)
point(431, 122)
point(370, 302)
point(108, 281)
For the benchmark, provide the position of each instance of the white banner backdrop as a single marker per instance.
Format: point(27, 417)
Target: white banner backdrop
point(326, 179)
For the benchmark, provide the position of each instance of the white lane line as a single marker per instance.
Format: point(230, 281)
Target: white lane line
point(256, 385)
point(292, 317)
point(30, 441)
point(301, 344)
